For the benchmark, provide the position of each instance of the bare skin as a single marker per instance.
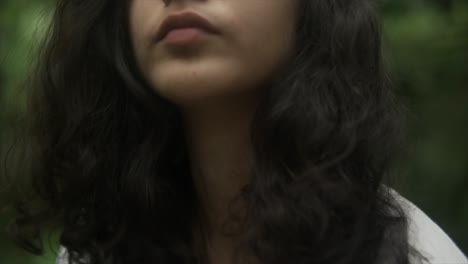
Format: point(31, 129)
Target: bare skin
point(219, 174)
point(215, 83)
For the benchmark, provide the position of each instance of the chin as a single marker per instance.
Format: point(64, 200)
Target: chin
point(186, 92)
point(190, 86)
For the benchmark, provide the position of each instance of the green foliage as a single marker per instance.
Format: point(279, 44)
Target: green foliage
point(21, 25)
point(428, 53)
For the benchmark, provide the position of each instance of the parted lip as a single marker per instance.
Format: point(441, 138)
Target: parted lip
point(184, 20)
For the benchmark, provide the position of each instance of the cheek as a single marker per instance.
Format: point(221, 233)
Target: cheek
point(143, 15)
point(265, 31)
point(267, 41)
point(266, 44)
point(136, 32)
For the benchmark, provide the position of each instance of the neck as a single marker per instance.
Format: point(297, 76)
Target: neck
point(220, 155)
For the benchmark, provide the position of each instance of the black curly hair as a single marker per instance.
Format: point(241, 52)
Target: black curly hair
point(107, 161)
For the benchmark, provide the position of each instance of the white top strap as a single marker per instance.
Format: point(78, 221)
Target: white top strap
point(427, 237)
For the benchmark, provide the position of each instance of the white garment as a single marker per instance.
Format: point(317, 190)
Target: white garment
point(427, 237)
point(423, 234)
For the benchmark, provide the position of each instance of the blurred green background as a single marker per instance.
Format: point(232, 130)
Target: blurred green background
point(426, 48)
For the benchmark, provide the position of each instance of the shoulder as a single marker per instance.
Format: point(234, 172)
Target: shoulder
point(63, 254)
point(427, 237)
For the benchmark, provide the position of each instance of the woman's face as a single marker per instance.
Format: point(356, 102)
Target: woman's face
point(255, 38)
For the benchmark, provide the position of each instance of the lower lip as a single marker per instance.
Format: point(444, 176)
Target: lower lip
point(184, 36)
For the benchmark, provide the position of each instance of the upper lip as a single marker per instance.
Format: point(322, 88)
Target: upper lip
point(184, 20)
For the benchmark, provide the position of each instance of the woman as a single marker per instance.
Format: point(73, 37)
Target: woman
point(219, 131)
